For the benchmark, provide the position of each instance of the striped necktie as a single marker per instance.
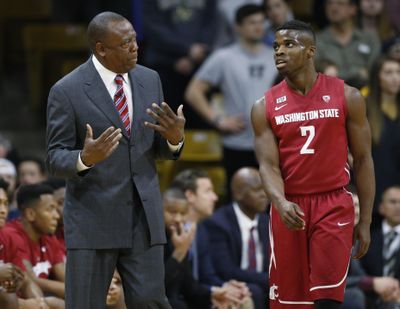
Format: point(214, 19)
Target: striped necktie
point(390, 252)
point(251, 253)
point(121, 103)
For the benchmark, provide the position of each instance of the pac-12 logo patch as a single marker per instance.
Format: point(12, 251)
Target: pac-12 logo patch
point(281, 100)
point(326, 98)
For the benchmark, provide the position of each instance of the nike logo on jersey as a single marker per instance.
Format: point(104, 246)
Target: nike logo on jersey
point(279, 107)
point(281, 100)
point(343, 224)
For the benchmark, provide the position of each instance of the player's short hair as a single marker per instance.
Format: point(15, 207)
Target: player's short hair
point(39, 162)
point(55, 183)
point(4, 184)
point(98, 27)
point(174, 193)
point(187, 179)
point(247, 10)
point(28, 195)
point(299, 26)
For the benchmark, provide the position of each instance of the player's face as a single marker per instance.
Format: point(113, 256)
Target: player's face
point(175, 212)
point(3, 207)
point(45, 218)
point(339, 11)
point(291, 51)
point(389, 77)
point(252, 27)
point(119, 49)
point(277, 11)
point(204, 199)
point(29, 173)
point(390, 206)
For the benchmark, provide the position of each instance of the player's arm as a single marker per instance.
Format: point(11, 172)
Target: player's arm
point(359, 136)
point(266, 148)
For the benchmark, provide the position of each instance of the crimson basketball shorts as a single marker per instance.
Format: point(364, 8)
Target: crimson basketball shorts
point(311, 264)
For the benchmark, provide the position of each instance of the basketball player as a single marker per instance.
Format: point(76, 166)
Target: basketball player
point(303, 128)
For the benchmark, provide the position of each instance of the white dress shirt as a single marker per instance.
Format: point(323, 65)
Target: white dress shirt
point(245, 224)
point(386, 229)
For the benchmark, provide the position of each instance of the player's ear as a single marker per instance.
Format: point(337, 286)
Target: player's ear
point(30, 214)
point(311, 51)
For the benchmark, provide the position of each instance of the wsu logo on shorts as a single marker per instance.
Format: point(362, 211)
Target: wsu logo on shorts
point(273, 292)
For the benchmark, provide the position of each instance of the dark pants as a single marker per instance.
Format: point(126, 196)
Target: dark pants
point(89, 273)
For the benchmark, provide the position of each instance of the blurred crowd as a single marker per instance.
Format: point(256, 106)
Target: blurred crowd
point(216, 58)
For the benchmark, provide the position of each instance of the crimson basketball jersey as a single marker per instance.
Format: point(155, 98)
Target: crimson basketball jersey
point(311, 135)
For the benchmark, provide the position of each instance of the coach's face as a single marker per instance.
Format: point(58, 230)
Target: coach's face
point(118, 49)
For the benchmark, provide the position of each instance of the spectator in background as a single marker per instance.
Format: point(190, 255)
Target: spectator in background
point(383, 111)
point(373, 18)
point(179, 35)
point(392, 48)
point(31, 170)
point(239, 240)
point(183, 290)
point(34, 235)
point(225, 28)
point(8, 172)
point(341, 42)
point(243, 71)
point(7, 151)
point(201, 199)
point(278, 12)
point(327, 67)
point(382, 260)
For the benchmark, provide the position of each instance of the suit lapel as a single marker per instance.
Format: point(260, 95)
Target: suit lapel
point(98, 94)
point(138, 130)
point(237, 235)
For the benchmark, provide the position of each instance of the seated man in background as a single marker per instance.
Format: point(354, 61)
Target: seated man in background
point(382, 261)
point(201, 199)
point(182, 289)
point(34, 235)
point(239, 239)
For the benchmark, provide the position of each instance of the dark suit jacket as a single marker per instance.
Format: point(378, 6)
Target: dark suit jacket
point(180, 283)
point(226, 246)
point(99, 202)
point(372, 262)
point(207, 273)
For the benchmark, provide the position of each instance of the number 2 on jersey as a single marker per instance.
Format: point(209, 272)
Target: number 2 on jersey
point(310, 132)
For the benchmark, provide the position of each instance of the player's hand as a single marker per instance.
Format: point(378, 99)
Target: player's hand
point(168, 124)
point(182, 240)
point(231, 124)
point(99, 149)
point(361, 238)
point(11, 277)
point(291, 214)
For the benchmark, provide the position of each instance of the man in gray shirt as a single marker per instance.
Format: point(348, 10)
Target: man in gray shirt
point(242, 71)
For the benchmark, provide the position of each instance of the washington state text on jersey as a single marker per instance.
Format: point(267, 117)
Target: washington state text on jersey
point(310, 115)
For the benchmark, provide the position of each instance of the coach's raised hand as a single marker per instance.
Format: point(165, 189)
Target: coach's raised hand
point(168, 124)
point(99, 149)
